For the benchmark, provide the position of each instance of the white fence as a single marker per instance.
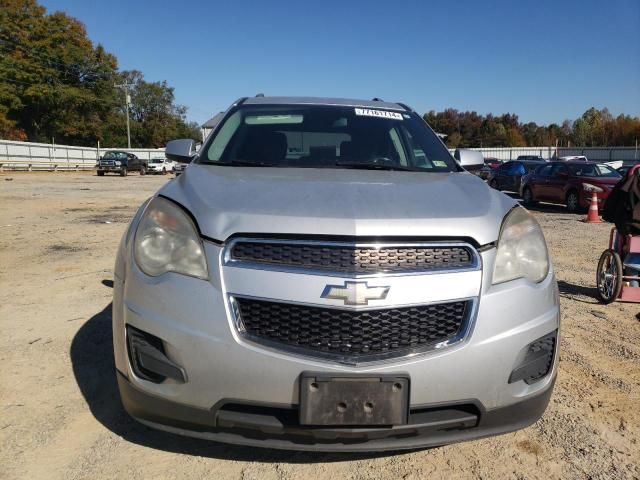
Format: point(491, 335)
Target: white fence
point(45, 156)
point(599, 154)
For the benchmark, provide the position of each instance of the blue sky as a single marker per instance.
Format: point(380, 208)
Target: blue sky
point(543, 60)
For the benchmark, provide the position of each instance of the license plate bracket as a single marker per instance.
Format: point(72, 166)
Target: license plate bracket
point(353, 400)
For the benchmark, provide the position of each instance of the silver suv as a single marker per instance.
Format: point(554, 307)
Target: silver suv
point(326, 276)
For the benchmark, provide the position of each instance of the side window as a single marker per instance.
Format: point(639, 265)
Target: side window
point(505, 167)
point(517, 169)
point(562, 169)
point(545, 171)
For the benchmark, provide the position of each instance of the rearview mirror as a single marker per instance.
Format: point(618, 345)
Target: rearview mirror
point(469, 159)
point(182, 150)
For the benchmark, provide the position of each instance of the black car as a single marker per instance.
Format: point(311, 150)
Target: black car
point(115, 161)
point(508, 176)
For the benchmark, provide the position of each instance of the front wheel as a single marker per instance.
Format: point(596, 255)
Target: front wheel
point(143, 171)
point(573, 202)
point(101, 173)
point(123, 172)
point(609, 276)
point(527, 197)
point(493, 184)
point(164, 171)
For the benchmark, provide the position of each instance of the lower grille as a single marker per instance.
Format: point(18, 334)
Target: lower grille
point(351, 334)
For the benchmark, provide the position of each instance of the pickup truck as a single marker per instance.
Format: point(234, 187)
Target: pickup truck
point(325, 276)
point(115, 161)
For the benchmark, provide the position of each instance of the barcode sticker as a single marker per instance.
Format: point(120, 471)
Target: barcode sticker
point(368, 112)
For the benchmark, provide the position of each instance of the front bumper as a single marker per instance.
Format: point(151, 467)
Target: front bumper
point(221, 368)
point(585, 199)
point(111, 168)
point(265, 426)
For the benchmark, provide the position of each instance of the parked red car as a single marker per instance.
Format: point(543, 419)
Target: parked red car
point(490, 163)
point(568, 183)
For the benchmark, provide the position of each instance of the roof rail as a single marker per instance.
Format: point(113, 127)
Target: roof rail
point(376, 99)
point(260, 95)
point(406, 107)
point(239, 101)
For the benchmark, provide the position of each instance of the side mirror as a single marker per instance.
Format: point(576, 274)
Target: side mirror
point(182, 150)
point(469, 159)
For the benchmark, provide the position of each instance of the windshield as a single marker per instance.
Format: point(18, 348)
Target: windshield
point(157, 160)
point(327, 137)
point(593, 170)
point(114, 156)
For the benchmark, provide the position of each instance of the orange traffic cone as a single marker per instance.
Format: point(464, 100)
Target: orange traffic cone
point(592, 216)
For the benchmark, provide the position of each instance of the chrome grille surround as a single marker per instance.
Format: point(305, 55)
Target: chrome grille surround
point(237, 293)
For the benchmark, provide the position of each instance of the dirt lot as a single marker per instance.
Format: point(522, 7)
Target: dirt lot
point(60, 415)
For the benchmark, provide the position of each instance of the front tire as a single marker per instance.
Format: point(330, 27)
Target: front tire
point(573, 201)
point(101, 173)
point(143, 171)
point(123, 172)
point(609, 276)
point(527, 197)
point(164, 171)
point(493, 184)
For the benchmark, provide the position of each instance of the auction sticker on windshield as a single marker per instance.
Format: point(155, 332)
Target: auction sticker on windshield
point(368, 112)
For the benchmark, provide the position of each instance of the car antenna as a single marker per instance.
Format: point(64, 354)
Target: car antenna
point(376, 99)
point(260, 95)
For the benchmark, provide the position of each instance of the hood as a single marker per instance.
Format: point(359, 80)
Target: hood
point(339, 202)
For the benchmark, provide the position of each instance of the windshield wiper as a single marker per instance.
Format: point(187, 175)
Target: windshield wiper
point(243, 163)
point(374, 166)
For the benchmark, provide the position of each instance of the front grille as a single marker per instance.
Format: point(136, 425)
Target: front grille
point(351, 334)
point(354, 259)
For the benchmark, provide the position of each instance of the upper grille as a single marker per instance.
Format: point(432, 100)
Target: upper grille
point(352, 334)
point(354, 259)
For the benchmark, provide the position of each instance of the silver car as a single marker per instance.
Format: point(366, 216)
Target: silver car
point(326, 276)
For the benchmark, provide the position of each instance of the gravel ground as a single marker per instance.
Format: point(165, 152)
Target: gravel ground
point(61, 416)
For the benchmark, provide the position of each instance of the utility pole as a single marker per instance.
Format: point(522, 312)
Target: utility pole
point(125, 86)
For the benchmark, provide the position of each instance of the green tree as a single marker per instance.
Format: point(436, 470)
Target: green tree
point(55, 83)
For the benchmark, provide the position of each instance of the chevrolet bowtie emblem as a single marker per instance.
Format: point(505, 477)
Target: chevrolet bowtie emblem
point(355, 293)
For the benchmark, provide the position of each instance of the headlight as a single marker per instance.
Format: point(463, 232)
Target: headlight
point(117, 163)
point(522, 251)
point(167, 241)
point(591, 188)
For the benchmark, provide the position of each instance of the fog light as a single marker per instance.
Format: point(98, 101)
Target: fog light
point(537, 362)
point(148, 359)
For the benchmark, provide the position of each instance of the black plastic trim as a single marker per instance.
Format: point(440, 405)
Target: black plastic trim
point(147, 357)
point(451, 423)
